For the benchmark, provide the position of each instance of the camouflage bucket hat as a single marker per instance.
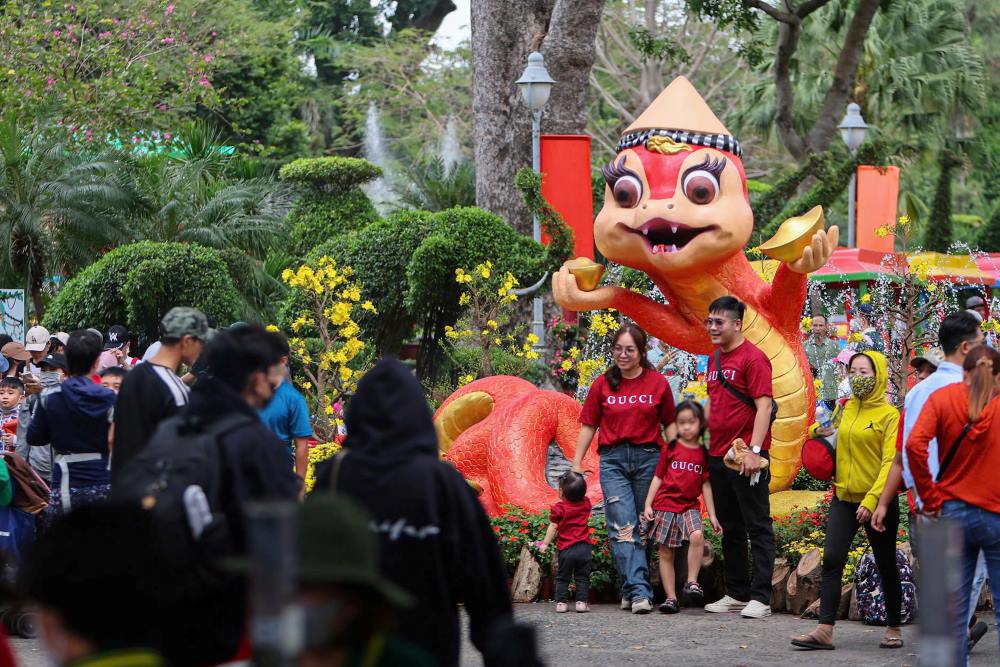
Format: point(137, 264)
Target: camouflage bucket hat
point(182, 321)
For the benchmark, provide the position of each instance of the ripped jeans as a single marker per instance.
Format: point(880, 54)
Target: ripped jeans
point(626, 472)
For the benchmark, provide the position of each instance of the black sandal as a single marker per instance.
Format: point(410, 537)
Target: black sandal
point(694, 592)
point(810, 643)
point(670, 606)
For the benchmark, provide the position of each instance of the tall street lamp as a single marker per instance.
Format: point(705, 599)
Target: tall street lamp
point(536, 84)
point(852, 130)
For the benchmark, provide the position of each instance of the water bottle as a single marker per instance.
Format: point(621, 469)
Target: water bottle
point(824, 416)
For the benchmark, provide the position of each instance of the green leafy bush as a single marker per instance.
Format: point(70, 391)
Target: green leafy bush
point(330, 174)
point(379, 254)
point(318, 217)
point(462, 238)
point(136, 284)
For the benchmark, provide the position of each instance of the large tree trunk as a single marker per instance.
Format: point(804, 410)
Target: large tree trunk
point(504, 32)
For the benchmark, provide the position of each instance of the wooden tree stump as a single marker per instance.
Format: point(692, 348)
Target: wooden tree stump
point(779, 581)
point(805, 587)
point(852, 610)
point(846, 596)
point(527, 578)
point(812, 611)
point(985, 602)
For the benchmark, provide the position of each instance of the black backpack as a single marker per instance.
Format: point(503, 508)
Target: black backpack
point(178, 477)
point(164, 478)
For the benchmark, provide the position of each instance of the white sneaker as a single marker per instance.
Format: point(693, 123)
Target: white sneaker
point(642, 606)
point(626, 604)
point(756, 609)
point(561, 607)
point(726, 604)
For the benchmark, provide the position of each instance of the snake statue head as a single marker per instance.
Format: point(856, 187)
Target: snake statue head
point(676, 195)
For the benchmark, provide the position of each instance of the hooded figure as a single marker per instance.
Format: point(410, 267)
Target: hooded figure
point(866, 447)
point(435, 540)
point(74, 418)
point(866, 440)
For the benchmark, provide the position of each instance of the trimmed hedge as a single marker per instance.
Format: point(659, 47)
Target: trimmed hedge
point(333, 174)
point(136, 284)
point(318, 217)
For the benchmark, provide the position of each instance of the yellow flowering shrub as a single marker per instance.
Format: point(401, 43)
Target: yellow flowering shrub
point(317, 455)
point(327, 361)
point(486, 299)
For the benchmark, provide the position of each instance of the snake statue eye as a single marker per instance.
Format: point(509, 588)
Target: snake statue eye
point(627, 191)
point(701, 186)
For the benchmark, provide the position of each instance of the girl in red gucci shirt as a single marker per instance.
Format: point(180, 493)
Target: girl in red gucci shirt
point(672, 503)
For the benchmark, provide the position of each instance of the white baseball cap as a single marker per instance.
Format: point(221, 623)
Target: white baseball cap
point(36, 339)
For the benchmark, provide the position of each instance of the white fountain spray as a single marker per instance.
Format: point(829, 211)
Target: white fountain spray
point(451, 152)
point(375, 151)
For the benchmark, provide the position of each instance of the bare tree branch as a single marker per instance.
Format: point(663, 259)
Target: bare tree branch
point(808, 7)
point(772, 11)
point(788, 42)
point(844, 73)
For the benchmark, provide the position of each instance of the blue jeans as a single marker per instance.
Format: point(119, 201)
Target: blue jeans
point(626, 472)
point(980, 531)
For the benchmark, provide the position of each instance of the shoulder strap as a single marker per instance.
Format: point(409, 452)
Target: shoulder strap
point(743, 398)
point(954, 449)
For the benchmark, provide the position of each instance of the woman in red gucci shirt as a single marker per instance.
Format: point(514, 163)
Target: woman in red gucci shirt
point(627, 407)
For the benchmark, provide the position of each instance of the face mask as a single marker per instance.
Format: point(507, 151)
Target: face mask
point(862, 385)
point(48, 377)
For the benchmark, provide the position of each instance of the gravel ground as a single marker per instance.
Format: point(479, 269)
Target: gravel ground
point(608, 636)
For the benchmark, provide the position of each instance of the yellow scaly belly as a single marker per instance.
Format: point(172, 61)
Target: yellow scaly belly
point(789, 430)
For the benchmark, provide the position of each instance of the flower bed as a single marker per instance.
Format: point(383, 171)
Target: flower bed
point(794, 536)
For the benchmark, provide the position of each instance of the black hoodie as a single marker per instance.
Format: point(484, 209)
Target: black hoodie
point(435, 539)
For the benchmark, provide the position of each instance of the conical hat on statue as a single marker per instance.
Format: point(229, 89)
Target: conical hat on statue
point(679, 107)
point(679, 114)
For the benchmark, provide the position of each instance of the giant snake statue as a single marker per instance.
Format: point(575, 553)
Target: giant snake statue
point(677, 209)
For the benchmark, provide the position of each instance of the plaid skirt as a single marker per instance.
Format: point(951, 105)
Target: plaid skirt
point(673, 530)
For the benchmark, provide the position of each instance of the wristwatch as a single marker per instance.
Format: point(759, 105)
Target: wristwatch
point(755, 449)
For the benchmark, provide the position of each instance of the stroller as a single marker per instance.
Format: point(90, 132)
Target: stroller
point(23, 495)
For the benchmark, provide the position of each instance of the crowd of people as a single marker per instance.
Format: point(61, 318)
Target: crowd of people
point(179, 444)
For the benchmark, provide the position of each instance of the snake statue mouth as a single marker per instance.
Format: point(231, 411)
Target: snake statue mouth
point(666, 236)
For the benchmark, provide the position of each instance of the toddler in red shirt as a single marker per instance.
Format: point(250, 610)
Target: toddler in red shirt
point(672, 503)
point(569, 527)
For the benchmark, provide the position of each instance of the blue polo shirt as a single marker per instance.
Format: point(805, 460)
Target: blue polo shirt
point(287, 415)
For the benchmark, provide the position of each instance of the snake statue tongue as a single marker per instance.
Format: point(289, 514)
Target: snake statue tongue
point(677, 208)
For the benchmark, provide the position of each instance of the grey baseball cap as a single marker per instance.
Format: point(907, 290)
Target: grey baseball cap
point(183, 321)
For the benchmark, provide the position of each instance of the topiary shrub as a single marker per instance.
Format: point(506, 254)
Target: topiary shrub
point(317, 217)
point(379, 255)
point(136, 284)
point(330, 174)
point(331, 201)
point(462, 238)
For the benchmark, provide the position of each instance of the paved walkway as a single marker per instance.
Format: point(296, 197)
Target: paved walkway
point(609, 636)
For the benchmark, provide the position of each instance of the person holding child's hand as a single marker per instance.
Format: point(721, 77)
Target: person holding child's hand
point(672, 504)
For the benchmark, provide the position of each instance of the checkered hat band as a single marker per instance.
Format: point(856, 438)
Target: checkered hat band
point(722, 142)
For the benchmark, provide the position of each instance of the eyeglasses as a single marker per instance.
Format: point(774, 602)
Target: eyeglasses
point(717, 321)
point(619, 351)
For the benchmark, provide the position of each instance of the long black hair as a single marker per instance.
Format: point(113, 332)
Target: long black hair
point(614, 374)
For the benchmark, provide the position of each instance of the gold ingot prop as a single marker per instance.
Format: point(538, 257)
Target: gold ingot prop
point(794, 235)
point(588, 272)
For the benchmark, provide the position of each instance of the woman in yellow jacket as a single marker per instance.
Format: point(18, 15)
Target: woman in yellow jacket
point(866, 446)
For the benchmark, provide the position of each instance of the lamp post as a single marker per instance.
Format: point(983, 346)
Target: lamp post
point(852, 130)
point(536, 84)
